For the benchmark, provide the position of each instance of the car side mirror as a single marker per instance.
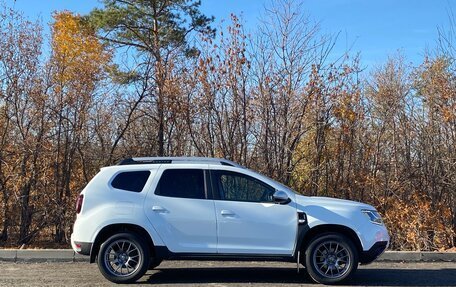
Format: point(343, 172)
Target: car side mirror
point(281, 197)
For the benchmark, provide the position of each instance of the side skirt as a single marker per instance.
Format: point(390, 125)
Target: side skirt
point(163, 253)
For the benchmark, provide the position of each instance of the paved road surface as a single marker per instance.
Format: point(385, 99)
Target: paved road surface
point(192, 273)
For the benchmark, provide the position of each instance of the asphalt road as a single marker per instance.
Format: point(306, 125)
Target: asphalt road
point(192, 273)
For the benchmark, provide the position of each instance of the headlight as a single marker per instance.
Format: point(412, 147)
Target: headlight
point(373, 216)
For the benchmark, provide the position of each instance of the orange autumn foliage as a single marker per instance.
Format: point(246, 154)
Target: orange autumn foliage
point(76, 50)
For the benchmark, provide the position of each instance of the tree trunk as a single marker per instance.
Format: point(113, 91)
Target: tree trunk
point(26, 215)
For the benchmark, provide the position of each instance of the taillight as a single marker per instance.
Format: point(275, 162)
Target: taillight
point(79, 203)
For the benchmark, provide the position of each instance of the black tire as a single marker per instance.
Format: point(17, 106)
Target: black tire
point(331, 258)
point(120, 252)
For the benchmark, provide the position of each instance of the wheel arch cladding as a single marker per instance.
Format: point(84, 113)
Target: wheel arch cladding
point(112, 229)
point(331, 228)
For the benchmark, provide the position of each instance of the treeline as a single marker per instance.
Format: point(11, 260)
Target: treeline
point(154, 78)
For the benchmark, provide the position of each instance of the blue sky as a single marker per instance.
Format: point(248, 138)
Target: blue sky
point(375, 28)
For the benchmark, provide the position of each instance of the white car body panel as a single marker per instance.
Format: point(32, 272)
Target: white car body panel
point(238, 233)
point(100, 210)
point(185, 225)
point(325, 210)
point(239, 230)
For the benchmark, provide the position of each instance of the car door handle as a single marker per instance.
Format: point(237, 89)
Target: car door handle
point(227, 213)
point(159, 209)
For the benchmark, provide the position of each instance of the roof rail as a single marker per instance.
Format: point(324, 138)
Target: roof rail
point(161, 160)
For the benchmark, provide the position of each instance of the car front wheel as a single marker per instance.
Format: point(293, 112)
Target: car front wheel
point(123, 258)
point(331, 258)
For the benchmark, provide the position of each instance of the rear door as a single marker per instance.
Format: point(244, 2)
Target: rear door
point(248, 221)
point(179, 209)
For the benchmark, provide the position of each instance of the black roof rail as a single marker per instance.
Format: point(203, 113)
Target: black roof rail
point(161, 160)
point(129, 161)
point(226, 163)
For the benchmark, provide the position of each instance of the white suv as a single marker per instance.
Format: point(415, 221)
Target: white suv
point(133, 215)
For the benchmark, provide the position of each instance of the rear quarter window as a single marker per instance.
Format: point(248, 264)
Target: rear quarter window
point(133, 181)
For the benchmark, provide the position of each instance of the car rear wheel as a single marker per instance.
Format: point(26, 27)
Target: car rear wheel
point(331, 258)
point(123, 258)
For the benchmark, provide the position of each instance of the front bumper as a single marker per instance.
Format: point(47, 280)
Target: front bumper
point(373, 253)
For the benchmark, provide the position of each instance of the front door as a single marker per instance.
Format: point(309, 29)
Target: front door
point(248, 221)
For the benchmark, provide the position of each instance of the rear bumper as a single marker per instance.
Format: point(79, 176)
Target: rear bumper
point(82, 248)
point(373, 253)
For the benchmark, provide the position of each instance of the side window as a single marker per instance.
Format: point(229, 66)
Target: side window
point(184, 183)
point(239, 187)
point(131, 180)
